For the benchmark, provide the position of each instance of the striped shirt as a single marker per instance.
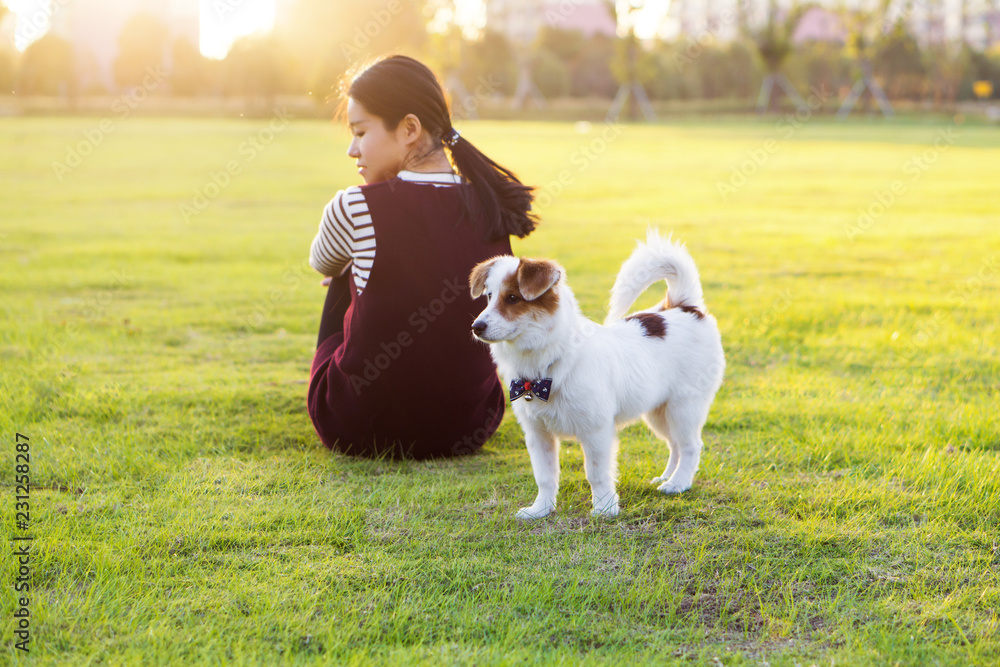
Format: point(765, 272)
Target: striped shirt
point(346, 234)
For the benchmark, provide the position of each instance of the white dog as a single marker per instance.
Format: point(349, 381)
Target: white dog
point(580, 379)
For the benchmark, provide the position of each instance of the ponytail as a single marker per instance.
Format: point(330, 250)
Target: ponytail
point(503, 201)
point(396, 86)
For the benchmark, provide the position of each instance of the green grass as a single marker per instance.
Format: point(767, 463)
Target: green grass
point(183, 510)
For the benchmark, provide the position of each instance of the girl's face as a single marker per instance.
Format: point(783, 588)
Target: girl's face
point(380, 153)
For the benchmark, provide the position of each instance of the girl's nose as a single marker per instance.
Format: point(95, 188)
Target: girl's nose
point(352, 150)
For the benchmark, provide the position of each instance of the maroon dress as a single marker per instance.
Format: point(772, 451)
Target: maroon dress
point(405, 377)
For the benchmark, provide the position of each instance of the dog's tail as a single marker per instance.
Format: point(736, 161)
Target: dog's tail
point(656, 259)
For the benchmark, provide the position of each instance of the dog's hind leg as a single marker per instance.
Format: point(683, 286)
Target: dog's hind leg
point(600, 458)
point(656, 419)
point(684, 421)
point(543, 448)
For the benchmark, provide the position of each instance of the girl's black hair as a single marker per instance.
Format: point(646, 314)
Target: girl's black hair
point(398, 85)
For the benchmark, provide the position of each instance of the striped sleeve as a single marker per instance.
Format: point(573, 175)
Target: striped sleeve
point(333, 246)
point(354, 206)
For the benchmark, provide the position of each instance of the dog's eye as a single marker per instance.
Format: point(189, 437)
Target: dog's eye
point(513, 298)
point(489, 296)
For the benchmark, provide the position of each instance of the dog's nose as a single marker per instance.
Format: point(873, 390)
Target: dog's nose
point(478, 327)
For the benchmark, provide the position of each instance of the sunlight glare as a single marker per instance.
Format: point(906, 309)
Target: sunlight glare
point(225, 21)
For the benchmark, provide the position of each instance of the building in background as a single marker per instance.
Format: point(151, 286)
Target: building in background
point(521, 20)
point(931, 22)
point(93, 27)
point(820, 25)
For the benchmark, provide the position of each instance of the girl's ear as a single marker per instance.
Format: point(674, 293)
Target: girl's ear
point(409, 128)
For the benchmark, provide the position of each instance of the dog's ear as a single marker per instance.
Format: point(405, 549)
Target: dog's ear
point(535, 277)
point(477, 279)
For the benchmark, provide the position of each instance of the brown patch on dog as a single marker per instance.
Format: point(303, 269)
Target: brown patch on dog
point(529, 289)
point(477, 279)
point(694, 311)
point(536, 276)
point(653, 324)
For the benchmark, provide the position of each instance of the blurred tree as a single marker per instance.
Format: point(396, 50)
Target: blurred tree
point(142, 45)
point(7, 59)
point(713, 65)
point(820, 66)
point(324, 39)
point(774, 45)
point(8, 70)
point(632, 66)
point(743, 73)
point(567, 45)
point(490, 58)
point(587, 61)
point(592, 75)
point(189, 74)
point(944, 61)
point(550, 74)
point(897, 60)
point(864, 26)
point(47, 67)
point(256, 68)
point(443, 54)
point(979, 67)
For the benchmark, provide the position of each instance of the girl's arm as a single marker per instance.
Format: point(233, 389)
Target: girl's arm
point(345, 234)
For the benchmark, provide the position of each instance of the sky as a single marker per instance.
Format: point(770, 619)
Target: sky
point(222, 21)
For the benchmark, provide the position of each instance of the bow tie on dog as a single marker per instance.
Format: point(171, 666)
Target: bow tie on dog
point(527, 388)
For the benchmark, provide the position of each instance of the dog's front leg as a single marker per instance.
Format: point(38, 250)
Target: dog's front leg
point(543, 448)
point(600, 457)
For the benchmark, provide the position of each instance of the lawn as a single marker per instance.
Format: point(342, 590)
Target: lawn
point(158, 323)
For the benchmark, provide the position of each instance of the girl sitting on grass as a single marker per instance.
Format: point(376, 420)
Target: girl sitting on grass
point(396, 371)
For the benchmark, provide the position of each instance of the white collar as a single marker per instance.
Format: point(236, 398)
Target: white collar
point(436, 178)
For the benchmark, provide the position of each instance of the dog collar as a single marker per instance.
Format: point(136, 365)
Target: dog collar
point(529, 388)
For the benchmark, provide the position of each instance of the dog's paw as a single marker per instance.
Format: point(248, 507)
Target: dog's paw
point(532, 513)
point(672, 486)
point(606, 512)
point(656, 481)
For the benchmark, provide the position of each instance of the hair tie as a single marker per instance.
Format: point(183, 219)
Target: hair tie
point(451, 138)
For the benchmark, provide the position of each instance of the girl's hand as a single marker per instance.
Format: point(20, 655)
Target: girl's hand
point(329, 279)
